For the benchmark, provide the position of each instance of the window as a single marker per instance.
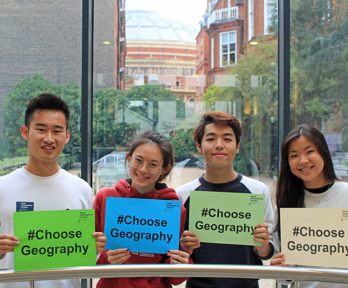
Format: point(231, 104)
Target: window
point(177, 83)
point(228, 48)
point(268, 10)
point(201, 57)
point(202, 41)
point(250, 19)
point(212, 52)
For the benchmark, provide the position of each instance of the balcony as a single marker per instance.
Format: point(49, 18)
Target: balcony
point(223, 15)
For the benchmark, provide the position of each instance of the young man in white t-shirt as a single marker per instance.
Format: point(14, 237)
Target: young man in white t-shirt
point(41, 184)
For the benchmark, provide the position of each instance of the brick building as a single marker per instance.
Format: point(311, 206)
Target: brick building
point(227, 27)
point(160, 51)
point(45, 37)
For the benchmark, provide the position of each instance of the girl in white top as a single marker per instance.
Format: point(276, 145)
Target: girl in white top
point(306, 179)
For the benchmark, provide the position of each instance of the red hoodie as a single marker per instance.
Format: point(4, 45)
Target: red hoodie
point(123, 189)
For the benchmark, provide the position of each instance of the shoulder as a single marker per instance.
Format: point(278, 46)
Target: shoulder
point(13, 174)
point(75, 180)
point(254, 186)
point(184, 190)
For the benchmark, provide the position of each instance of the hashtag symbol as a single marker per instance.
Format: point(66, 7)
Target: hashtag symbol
point(31, 235)
point(296, 231)
point(120, 219)
point(204, 212)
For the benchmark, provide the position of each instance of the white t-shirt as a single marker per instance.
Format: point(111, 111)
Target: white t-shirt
point(58, 192)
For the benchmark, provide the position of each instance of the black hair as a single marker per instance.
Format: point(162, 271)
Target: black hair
point(46, 101)
point(289, 188)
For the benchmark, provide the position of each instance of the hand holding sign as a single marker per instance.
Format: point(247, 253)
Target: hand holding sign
point(261, 235)
point(118, 256)
point(189, 241)
point(178, 257)
point(100, 241)
point(278, 260)
point(7, 242)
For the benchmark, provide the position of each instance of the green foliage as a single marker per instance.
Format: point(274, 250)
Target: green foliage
point(14, 111)
point(183, 144)
point(107, 131)
point(154, 93)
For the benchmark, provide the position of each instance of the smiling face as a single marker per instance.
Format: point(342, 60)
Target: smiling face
point(306, 163)
point(46, 138)
point(218, 146)
point(142, 180)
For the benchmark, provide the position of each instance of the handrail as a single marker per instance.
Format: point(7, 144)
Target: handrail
point(180, 270)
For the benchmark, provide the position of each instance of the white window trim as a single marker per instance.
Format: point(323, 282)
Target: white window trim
point(250, 11)
point(220, 47)
point(265, 18)
point(212, 52)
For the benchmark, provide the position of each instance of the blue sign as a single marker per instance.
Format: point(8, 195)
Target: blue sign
point(142, 225)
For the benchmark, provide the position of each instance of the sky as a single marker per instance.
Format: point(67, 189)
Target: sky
point(187, 11)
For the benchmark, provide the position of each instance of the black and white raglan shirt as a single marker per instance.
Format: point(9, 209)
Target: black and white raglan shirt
point(211, 253)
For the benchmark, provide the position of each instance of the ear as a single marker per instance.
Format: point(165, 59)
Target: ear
point(165, 170)
point(25, 133)
point(67, 137)
point(128, 156)
point(238, 148)
point(199, 148)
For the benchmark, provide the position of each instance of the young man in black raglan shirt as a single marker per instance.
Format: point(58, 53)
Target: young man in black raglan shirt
point(218, 138)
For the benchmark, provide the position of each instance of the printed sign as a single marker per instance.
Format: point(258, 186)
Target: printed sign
point(226, 217)
point(315, 236)
point(54, 239)
point(142, 225)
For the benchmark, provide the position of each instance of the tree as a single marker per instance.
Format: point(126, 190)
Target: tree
point(107, 131)
point(14, 111)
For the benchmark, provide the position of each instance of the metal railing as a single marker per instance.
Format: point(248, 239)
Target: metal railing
point(179, 270)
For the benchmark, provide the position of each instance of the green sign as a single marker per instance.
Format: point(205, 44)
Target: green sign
point(226, 217)
point(54, 239)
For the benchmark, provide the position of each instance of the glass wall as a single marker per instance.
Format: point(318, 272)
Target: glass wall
point(319, 72)
point(40, 51)
point(178, 65)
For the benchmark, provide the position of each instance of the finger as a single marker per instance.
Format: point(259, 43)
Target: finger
point(119, 260)
point(8, 243)
point(8, 236)
point(117, 251)
point(188, 233)
point(262, 225)
point(98, 234)
point(180, 256)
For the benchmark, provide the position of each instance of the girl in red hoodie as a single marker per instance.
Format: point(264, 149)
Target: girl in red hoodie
point(150, 159)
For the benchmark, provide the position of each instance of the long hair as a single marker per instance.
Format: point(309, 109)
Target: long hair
point(290, 188)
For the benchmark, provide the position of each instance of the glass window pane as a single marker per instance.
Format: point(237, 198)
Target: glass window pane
point(224, 38)
point(224, 48)
point(39, 54)
point(232, 37)
point(321, 99)
point(232, 58)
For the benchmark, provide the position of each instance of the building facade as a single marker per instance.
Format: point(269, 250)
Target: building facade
point(160, 51)
point(228, 26)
